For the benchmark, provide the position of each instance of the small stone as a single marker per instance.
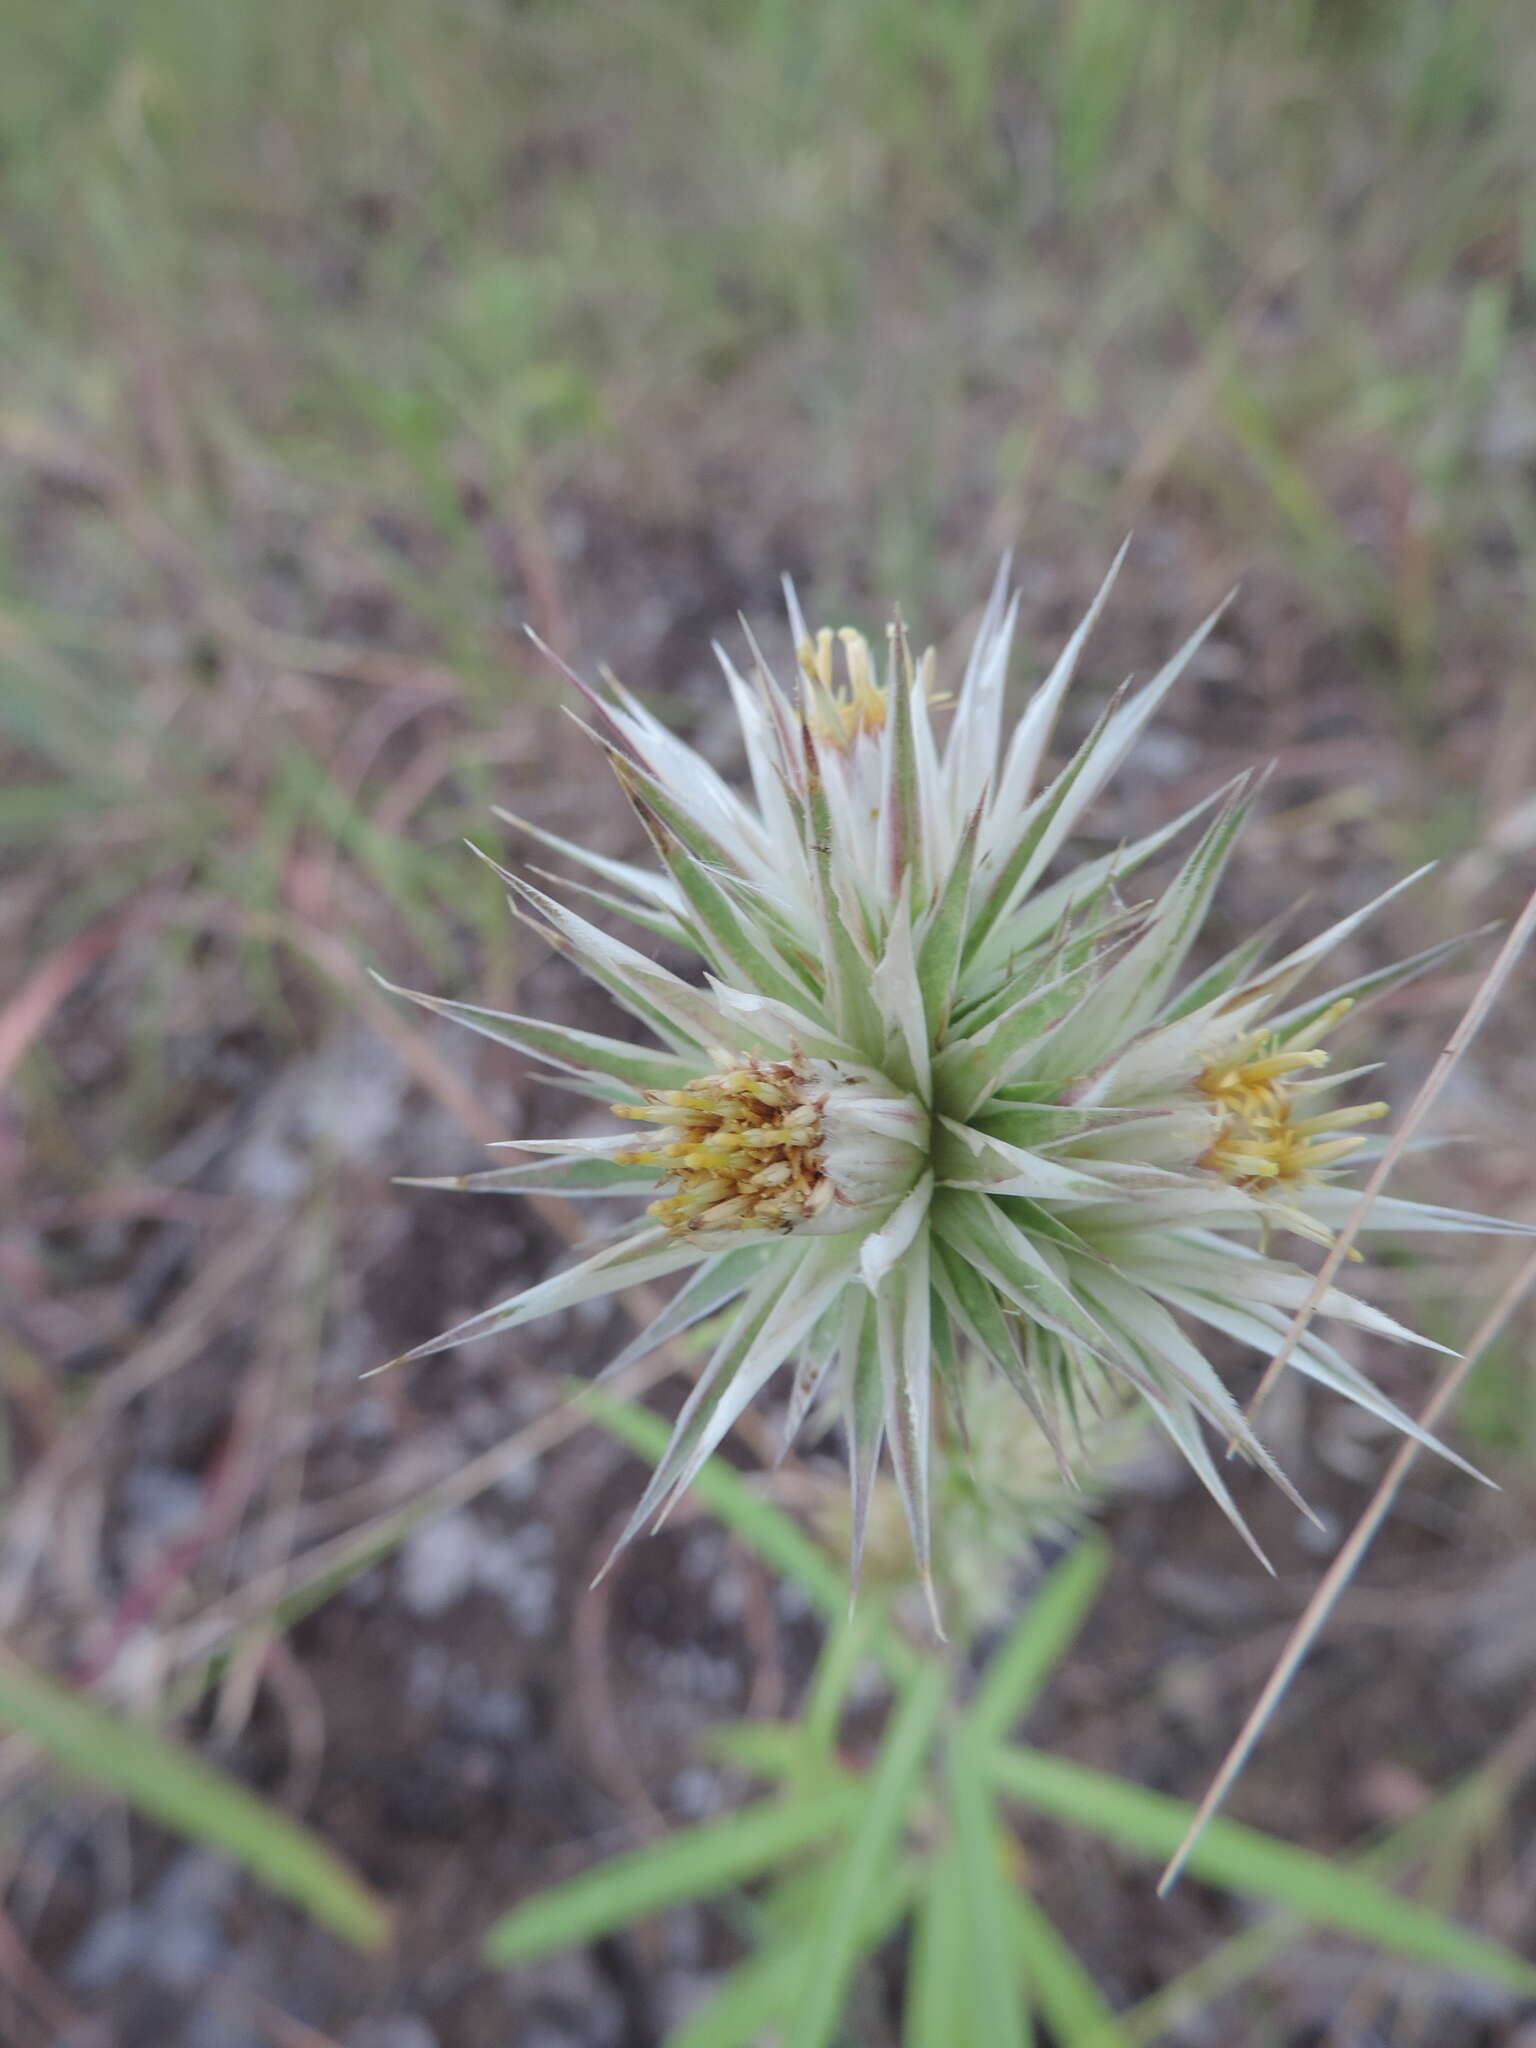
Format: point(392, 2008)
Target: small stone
point(161, 1500)
point(517, 1570)
point(591, 1318)
point(183, 1935)
point(500, 1718)
point(455, 1556)
point(426, 1678)
point(727, 1595)
point(369, 1422)
point(196, 1882)
point(269, 1168)
point(399, 2030)
point(1390, 1794)
point(365, 1591)
point(439, 1565)
point(695, 1792)
point(520, 1484)
point(108, 1950)
point(681, 1995)
point(1164, 756)
point(350, 1096)
point(792, 1602)
point(567, 2004)
point(479, 1422)
point(214, 2026)
point(182, 1952)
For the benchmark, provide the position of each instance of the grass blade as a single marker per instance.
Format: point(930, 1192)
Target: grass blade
point(887, 1800)
point(765, 1985)
point(1056, 1612)
point(990, 1960)
point(1070, 2002)
point(1241, 1859)
point(171, 1785)
point(694, 1864)
point(939, 2010)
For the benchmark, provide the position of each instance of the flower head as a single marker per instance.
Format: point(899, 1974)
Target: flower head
point(937, 1097)
point(791, 1144)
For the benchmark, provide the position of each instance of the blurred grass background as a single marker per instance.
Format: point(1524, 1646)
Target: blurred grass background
point(327, 311)
point(340, 340)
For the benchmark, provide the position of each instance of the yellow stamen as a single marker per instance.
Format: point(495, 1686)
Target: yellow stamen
point(844, 710)
point(1259, 1143)
point(1341, 1119)
point(1322, 1024)
point(746, 1149)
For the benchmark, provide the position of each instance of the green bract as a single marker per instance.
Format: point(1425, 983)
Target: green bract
point(936, 1093)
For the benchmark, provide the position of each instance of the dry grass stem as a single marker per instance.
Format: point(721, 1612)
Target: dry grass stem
point(1339, 1573)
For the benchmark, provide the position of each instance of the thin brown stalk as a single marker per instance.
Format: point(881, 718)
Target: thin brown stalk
point(24, 1018)
point(1339, 1573)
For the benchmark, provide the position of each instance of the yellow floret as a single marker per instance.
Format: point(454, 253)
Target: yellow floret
point(744, 1150)
point(1261, 1143)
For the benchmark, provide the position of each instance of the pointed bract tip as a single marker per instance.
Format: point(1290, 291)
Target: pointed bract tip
point(930, 1596)
point(606, 1566)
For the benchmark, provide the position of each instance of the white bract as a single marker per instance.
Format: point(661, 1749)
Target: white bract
point(938, 1093)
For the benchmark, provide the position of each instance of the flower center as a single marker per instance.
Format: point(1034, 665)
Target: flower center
point(848, 707)
point(1261, 1143)
point(742, 1147)
point(843, 708)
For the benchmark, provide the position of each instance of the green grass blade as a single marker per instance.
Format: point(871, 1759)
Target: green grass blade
point(892, 1787)
point(32, 812)
point(1019, 1670)
point(1241, 1859)
point(846, 1648)
point(694, 1864)
point(766, 1984)
point(1070, 2003)
point(734, 2018)
point(1456, 1816)
point(170, 1785)
point(990, 1958)
point(939, 2009)
point(774, 1750)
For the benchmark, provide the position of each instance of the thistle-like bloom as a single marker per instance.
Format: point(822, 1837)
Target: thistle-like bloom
point(937, 1094)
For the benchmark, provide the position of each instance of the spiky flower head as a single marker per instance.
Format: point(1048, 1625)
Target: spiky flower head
point(933, 1093)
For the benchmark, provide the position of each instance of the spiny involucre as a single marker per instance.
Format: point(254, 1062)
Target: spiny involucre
point(932, 1095)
